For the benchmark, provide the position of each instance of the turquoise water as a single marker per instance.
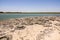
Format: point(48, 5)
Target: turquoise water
point(8, 16)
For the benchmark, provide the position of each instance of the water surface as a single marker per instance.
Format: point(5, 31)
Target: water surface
point(9, 16)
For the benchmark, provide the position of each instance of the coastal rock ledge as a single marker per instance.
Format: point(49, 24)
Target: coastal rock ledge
point(31, 28)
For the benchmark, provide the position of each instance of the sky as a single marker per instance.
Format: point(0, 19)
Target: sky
point(30, 5)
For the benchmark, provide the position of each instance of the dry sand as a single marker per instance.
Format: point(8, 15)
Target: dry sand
point(31, 28)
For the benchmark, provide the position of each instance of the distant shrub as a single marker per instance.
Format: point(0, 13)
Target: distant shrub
point(1, 12)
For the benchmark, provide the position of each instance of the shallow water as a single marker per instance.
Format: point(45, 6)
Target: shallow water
point(8, 16)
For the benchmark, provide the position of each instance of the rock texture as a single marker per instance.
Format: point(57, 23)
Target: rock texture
point(31, 28)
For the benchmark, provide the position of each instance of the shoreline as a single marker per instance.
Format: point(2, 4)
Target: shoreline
point(31, 18)
point(30, 13)
point(9, 16)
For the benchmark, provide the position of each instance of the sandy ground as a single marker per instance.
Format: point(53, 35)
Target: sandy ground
point(36, 28)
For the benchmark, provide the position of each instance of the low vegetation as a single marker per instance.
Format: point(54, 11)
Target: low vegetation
point(30, 12)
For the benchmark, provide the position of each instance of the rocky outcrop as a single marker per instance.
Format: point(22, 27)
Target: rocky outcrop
point(28, 27)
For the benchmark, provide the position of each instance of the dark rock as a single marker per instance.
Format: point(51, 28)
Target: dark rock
point(20, 27)
point(3, 38)
point(57, 24)
point(6, 37)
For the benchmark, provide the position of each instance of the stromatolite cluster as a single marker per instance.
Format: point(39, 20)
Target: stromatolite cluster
point(20, 24)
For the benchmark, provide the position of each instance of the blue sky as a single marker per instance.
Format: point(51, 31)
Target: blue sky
point(30, 5)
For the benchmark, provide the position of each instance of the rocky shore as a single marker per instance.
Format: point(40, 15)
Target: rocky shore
point(10, 27)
